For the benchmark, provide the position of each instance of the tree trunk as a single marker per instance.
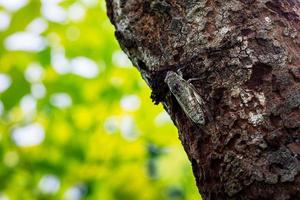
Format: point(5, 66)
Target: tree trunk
point(242, 57)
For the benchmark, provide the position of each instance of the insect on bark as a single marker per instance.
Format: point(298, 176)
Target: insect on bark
point(187, 97)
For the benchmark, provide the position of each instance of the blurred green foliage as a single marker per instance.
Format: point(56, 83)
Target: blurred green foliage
point(76, 120)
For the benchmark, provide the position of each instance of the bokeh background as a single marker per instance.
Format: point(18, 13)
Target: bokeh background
point(76, 120)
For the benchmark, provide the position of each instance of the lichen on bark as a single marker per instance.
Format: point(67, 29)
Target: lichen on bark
point(245, 56)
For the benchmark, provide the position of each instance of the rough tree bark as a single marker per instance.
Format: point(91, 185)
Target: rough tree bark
point(245, 57)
